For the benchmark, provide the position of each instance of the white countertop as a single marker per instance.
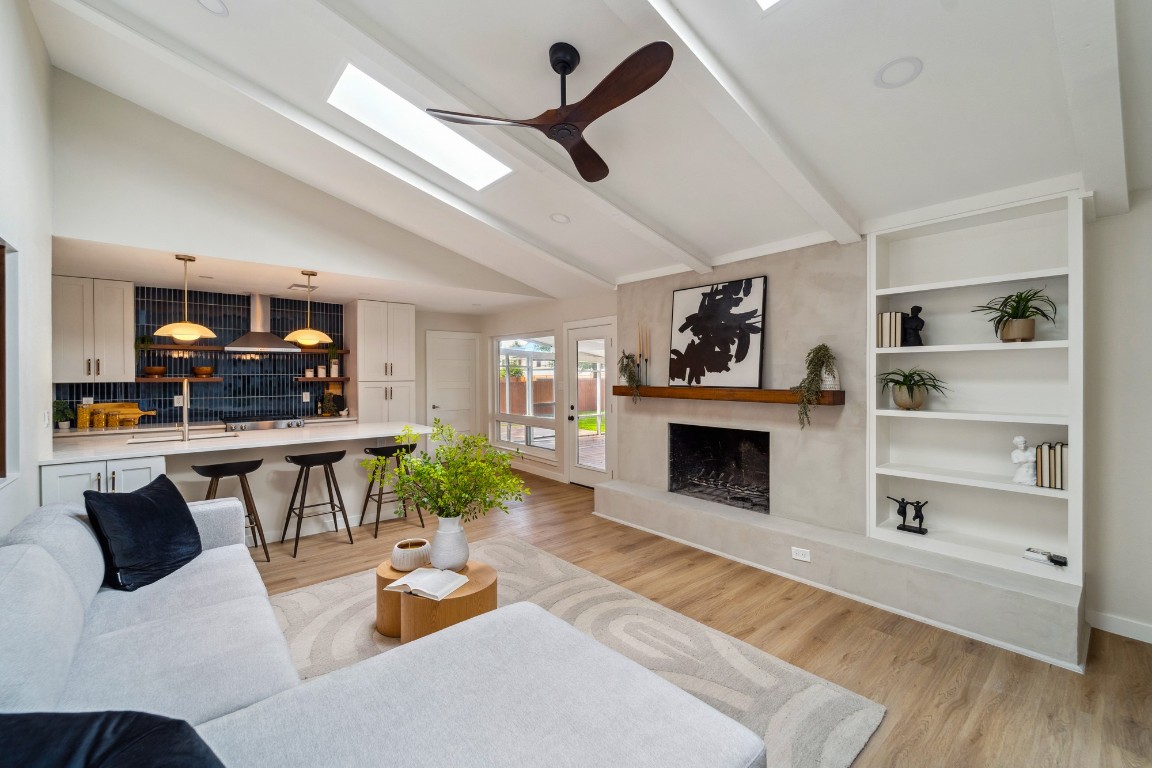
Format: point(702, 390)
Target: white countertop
point(117, 446)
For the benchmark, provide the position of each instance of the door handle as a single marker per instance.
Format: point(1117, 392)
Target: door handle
point(99, 478)
point(89, 367)
point(113, 486)
point(435, 407)
point(571, 418)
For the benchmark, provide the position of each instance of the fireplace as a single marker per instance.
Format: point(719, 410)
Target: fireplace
point(728, 466)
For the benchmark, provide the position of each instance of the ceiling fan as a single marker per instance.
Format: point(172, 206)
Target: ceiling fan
point(566, 124)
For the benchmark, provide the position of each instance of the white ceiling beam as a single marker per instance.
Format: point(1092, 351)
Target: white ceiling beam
point(1090, 60)
point(764, 142)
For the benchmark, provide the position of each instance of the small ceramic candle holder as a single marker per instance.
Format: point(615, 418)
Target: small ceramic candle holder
point(410, 554)
point(309, 373)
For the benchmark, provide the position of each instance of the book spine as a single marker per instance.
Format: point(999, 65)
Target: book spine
point(1044, 467)
point(899, 329)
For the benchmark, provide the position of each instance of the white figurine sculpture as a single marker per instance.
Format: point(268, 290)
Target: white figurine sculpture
point(1025, 460)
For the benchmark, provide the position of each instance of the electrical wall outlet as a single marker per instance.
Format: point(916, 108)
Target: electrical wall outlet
point(802, 555)
point(178, 401)
point(306, 397)
point(47, 418)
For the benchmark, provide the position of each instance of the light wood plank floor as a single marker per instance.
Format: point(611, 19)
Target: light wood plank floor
point(951, 701)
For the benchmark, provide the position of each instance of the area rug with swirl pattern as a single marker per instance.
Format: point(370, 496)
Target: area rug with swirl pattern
point(804, 719)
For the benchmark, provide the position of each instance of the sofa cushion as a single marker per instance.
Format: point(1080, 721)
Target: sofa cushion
point(102, 740)
point(64, 532)
point(516, 686)
point(145, 535)
point(216, 576)
point(41, 621)
point(196, 665)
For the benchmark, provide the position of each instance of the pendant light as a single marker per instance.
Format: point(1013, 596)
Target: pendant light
point(308, 336)
point(185, 332)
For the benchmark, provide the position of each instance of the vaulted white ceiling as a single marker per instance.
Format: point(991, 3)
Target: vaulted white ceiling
point(768, 133)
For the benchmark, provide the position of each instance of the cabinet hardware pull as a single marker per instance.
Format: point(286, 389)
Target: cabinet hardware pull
point(113, 486)
point(97, 366)
point(99, 477)
point(89, 366)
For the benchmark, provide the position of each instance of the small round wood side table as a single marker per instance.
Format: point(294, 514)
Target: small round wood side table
point(408, 616)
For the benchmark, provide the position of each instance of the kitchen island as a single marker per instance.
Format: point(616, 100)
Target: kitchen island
point(271, 484)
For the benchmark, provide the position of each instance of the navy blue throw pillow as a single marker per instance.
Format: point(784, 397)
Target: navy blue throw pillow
point(145, 535)
point(101, 740)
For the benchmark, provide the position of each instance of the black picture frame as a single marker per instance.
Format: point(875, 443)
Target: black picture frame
point(717, 335)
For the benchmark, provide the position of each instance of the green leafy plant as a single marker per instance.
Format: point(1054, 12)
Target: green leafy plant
point(143, 344)
point(819, 361)
point(465, 477)
point(61, 411)
point(1019, 306)
point(333, 353)
point(514, 371)
point(913, 378)
point(629, 369)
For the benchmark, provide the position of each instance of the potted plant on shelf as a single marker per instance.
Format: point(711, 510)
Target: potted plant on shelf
point(463, 479)
point(629, 369)
point(910, 387)
point(1013, 317)
point(821, 374)
point(333, 361)
point(62, 414)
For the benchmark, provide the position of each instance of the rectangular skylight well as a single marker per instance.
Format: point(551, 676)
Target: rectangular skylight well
point(766, 4)
point(371, 103)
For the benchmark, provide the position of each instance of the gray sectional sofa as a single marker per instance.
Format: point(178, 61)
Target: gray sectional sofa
point(515, 687)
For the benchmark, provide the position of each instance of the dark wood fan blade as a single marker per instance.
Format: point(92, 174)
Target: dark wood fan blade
point(632, 77)
point(460, 117)
point(588, 162)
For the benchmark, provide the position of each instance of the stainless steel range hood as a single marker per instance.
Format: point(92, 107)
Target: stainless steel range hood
point(259, 339)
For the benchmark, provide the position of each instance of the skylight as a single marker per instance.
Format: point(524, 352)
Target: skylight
point(371, 103)
point(766, 4)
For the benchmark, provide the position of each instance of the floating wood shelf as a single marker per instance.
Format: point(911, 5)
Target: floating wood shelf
point(322, 378)
point(831, 397)
point(178, 379)
point(215, 348)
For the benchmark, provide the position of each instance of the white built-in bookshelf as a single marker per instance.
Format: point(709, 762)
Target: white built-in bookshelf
point(955, 452)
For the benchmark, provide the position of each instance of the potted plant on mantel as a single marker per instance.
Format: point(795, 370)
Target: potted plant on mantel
point(1014, 316)
point(465, 478)
point(820, 374)
point(910, 387)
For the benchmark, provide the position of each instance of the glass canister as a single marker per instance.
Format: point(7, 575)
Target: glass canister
point(83, 416)
point(113, 420)
point(99, 419)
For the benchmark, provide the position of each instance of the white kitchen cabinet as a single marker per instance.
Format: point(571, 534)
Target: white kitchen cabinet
point(380, 401)
point(93, 330)
point(383, 341)
point(67, 482)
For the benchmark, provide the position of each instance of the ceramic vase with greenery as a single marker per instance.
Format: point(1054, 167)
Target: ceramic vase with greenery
point(62, 414)
point(1013, 317)
point(910, 387)
point(820, 374)
point(464, 478)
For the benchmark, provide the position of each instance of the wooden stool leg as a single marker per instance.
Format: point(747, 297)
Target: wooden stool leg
point(379, 504)
point(331, 497)
point(212, 486)
point(340, 498)
point(367, 497)
point(291, 505)
point(300, 512)
point(251, 506)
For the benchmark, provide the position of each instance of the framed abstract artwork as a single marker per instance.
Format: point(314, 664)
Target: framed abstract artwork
point(718, 334)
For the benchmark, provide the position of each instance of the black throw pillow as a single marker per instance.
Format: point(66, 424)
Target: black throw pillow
point(101, 740)
point(145, 535)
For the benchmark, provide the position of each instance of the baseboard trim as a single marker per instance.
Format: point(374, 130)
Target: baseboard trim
point(1118, 625)
point(899, 612)
point(535, 468)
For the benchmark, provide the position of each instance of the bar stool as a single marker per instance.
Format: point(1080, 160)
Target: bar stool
point(240, 469)
point(335, 501)
point(385, 452)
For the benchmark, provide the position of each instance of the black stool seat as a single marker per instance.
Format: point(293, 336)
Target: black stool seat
point(240, 469)
point(335, 503)
point(385, 452)
point(315, 459)
point(229, 469)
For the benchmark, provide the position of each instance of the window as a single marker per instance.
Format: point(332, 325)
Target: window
point(526, 394)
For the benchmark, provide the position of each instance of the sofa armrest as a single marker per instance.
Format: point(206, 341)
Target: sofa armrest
point(220, 521)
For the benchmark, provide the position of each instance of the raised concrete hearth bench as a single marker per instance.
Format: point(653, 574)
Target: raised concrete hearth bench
point(516, 686)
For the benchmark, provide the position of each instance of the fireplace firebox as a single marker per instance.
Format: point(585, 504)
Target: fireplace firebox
point(728, 466)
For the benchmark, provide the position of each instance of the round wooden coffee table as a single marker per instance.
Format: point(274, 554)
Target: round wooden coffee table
point(408, 616)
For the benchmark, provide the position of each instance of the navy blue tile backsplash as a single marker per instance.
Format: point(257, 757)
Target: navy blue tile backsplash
point(253, 383)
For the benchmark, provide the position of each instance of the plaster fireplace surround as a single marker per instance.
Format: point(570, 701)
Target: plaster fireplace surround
point(728, 466)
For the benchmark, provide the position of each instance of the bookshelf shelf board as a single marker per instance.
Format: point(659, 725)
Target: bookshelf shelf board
point(1004, 418)
point(994, 346)
point(1012, 277)
point(832, 397)
point(970, 479)
point(178, 379)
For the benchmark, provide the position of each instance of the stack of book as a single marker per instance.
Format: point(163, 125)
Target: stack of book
point(890, 329)
point(1052, 465)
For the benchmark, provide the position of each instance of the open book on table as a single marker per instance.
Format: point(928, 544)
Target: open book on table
point(432, 583)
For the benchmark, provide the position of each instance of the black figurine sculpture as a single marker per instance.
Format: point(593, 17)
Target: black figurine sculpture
point(910, 329)
point(902, 505)
point(902, 510)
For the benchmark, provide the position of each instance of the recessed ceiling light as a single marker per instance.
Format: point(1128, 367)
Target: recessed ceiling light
point(899, 72)
point(766, 4)
point(214, 6)
point(376, 106)
point(560, 218)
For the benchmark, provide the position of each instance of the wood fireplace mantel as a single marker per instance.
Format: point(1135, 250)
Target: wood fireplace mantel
point(830, 397)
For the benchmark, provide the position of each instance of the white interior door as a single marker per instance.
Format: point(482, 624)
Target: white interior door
point(451, 378)
point(589, 437)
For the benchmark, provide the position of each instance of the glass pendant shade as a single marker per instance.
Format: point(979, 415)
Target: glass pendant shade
point(308, 336)
point(185, 332)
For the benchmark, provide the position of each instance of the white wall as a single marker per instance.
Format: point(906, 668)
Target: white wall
point(25, 223)
point(1118, 425)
